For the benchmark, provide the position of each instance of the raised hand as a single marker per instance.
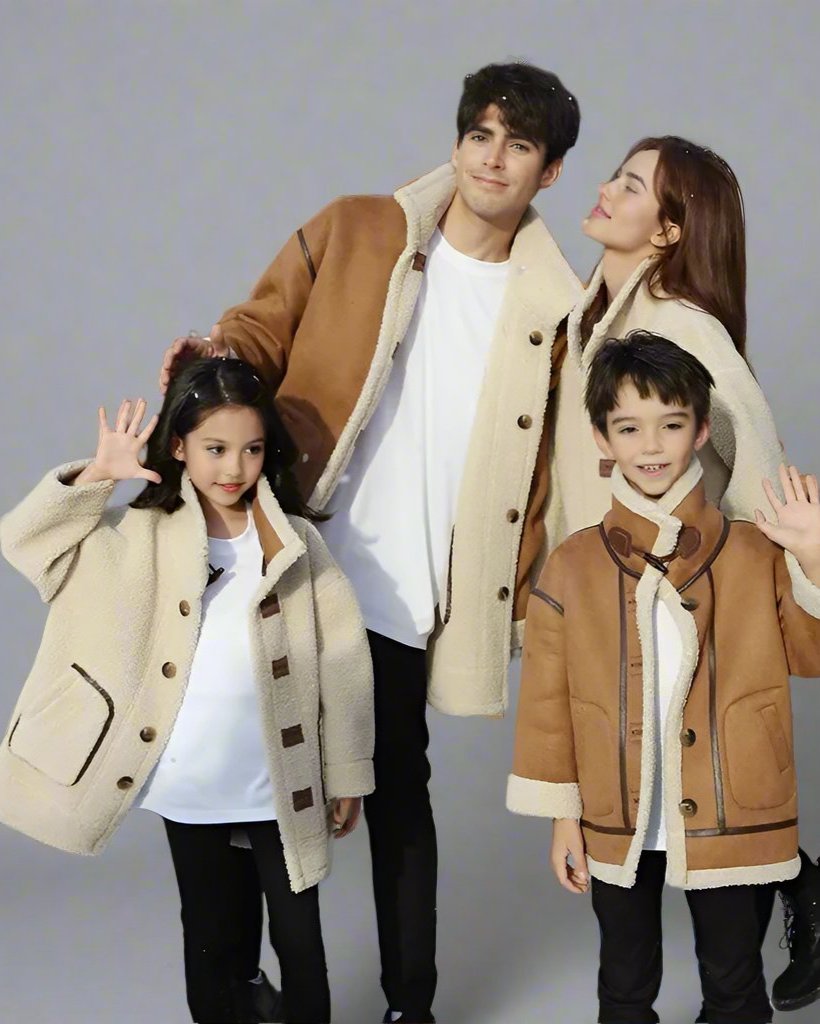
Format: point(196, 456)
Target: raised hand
point(192, 347)
point(797, 519)
point(118, 450)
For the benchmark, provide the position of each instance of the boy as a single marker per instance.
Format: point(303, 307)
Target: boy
point(654, 722)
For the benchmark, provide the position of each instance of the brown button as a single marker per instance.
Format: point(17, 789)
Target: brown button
point(688, 737)
point(169, 670)
point(513, 515)
point(270, 606)
point(536, 337)
point(184, 608)
point(148, 734)
point(280, 668)
point(525, 422)
point(302, 799)
point(292, 736)
point(126, 782)
point(688, 808)
point(503, 593)
point(689, 603)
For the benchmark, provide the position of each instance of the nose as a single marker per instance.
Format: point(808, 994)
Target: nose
point(494, 156)
point(604, 190)
point(652, 442)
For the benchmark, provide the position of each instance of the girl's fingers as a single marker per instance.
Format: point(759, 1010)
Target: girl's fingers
point(786, 483)
point(148, 474)
point(771, 494)
point(136, 419)
point(102, 423)
point(122, 416)
point(797, 484)
point(812, 488)
point(149, 429)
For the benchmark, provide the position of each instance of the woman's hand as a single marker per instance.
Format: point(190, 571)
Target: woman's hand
point(568, 841)
point(346, 811)
point(192, 347)
point(797, 519)
point(118, 450)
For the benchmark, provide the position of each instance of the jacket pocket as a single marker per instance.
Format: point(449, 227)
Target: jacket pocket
point(759, 750)
point(597, 768)
point(61, 737)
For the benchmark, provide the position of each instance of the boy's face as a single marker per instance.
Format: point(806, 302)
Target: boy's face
point(652, 442)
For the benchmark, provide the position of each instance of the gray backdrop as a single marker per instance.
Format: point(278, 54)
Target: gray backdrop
point(154, 157)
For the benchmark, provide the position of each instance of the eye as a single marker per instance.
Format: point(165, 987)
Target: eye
point(627, 430)
point(522, 147)
point(629, 188)
point(255, 449)
point(215, 449)
point(477, 137)
point(674, 426)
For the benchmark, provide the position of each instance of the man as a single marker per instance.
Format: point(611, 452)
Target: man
point(411, 343)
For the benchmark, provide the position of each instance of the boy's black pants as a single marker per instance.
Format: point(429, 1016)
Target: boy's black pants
point(402, 831)
point(730, 924)
point(219, 887)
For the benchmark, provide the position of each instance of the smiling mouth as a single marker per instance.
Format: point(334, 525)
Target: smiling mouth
point(599, 211)
point(230, 487)
point(655, 467)
point(490, 181)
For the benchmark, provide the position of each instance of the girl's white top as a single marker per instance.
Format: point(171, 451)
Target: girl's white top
point(214, 767)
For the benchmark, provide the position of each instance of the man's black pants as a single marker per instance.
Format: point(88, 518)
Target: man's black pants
point(219, 887)
point(402, 831)
point(730, 924)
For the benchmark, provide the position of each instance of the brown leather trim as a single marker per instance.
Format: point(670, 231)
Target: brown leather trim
point(302, 799)
point(623, 703)
point(292, 736)
point(613, 554)
point(269, 606)
point(717, 771)
point(740, 830)
point(707, 564)
point(448, 602)
point(419, 261)
point(279, 667)
point(306, 253)
point(606, 829)
point(549, 600)
point(13, 730)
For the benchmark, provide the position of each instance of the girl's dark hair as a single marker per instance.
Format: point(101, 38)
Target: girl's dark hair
point(534, 104)
point(697, 190)
point(656, 366)
point(197, 390)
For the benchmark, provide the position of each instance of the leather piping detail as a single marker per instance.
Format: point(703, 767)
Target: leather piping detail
point(614, 555)
point(740, 830)
point(708, 563)
point(306, 253)
point(622, 704)
point(104, 731)
point(535, 592)
point(717, 771)
point(607, 830)
point(448, 601)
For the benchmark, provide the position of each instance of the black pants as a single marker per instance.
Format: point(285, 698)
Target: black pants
point(730, 924)
point(402, 832)
point(219, 887)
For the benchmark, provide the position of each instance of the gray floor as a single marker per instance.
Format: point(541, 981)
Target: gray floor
point(99, 939)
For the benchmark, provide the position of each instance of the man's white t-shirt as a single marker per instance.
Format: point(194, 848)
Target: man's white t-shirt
point(214, 768)
point(668, 654)
point(395, 505)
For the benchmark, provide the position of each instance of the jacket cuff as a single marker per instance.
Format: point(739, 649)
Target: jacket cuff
point(805, 593)
point(353, 779)
point(517, 635)
point(543, 799)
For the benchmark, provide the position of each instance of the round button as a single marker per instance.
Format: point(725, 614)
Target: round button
point(148, 734)
point(126, 782)
point(688, 737)
point(169, 670)
point(536, 337)
point(688, 808)
point(513, 515)
point(184, 608)
point(689, 604)
point(503, 593)
point(525, 422)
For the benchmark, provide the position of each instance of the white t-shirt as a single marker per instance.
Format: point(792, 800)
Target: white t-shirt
point(214, 767)
point(668, 653)
point(395, 505)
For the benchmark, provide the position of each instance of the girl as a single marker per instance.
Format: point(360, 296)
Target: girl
point(205, 657)
point(671, 224)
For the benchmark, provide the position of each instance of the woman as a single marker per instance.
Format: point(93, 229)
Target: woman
point(674, 262)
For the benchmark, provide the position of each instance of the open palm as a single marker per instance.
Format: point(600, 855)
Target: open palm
point(797, 526)
point(118, 450)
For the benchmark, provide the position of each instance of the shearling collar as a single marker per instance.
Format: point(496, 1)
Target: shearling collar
point(679, 535)
point(541, 275)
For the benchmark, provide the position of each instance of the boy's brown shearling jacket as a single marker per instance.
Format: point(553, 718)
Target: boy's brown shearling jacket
point(323, 324)
point(585, 739)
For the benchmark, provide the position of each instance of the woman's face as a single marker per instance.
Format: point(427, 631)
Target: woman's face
point(626, 217)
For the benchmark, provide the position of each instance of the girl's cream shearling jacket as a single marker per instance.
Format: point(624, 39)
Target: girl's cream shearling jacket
point(125, 588)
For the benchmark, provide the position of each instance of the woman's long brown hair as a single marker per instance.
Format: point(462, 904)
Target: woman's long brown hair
point(697, 190)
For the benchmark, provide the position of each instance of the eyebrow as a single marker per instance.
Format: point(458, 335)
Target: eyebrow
point(220, 440)
point(517, 136)
point(683, 414)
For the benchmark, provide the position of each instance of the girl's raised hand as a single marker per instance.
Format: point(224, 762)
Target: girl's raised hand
point(118, 450)
point(797, 518)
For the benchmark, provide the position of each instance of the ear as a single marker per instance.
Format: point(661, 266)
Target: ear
point(703, 434)
point(177, 449)
point(603, 444)
point(552, 172)
point(454, 153)
point(669, 234)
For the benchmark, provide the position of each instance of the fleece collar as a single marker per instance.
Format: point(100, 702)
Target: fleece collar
point(679, 535)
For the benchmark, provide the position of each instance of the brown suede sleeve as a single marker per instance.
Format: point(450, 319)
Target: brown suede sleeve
point(544, 747)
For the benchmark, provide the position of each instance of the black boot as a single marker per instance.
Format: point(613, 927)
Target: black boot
point(799, 984)
point(258, 1002)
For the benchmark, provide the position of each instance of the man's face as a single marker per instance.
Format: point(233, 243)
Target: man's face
point(652, 442)
point(497, 172)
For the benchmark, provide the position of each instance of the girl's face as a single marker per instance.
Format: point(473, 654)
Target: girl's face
point(224, 455)
point(626, 217)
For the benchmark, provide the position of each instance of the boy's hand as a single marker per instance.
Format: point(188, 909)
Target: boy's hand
point(192, 347)
point(568, 841)
point(346, 811)
point(797, 526)
point(118, 450)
